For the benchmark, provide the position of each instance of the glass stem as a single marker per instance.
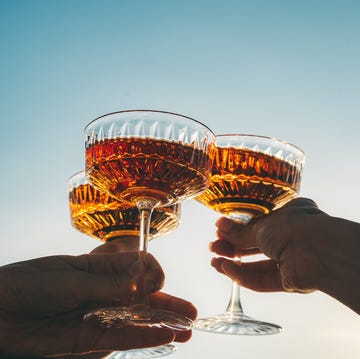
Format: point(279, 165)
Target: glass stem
point(145, 220)
point(140, 299)
point(234, 308)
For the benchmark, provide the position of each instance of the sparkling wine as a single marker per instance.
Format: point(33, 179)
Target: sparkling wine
point(103, 217)
point(136, 168)
point(249, 183)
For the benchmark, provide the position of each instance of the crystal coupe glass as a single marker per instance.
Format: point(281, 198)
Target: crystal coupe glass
point(149, 159)
point(101, 216)
point(251, 176)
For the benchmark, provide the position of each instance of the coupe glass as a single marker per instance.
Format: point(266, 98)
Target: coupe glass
point(149, 159)
point(251, 176)
point(101, 216)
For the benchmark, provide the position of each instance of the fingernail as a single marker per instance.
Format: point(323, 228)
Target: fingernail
point(210, 246)
point(214, 261)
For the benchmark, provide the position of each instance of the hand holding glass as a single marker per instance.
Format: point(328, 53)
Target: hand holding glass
point(251, 176)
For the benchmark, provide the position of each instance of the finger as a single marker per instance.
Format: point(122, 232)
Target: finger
point(226, 223)
point(226, 249)
point(231, 231)
point(261, 276)
point(217, 264)
point(165, 301)
point(168, 302)
point(183, 336)
point(223, 248)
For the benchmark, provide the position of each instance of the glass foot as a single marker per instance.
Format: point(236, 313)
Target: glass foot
point(155, 352)
point(120, 316)
point(228, 323)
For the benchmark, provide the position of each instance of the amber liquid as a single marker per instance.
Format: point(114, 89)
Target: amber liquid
point(103, 217)
point(244, 183)
point(137, 168)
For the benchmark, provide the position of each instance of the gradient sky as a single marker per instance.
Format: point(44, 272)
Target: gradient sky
point(286, 69)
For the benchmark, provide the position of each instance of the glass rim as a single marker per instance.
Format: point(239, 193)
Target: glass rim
point(260, 136)
point(75, 176)
point(149, 110)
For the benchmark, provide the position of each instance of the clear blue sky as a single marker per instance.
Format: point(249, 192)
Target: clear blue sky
point(287, 69)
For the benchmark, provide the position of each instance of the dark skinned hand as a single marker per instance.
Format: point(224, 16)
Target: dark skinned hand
point(43, 301)
point(307, 250)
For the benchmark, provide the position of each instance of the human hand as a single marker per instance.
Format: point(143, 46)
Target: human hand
point(290, 237)
point(158, 299)
point(43, 301)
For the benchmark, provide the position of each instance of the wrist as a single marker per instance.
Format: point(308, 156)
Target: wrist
point(338, 251)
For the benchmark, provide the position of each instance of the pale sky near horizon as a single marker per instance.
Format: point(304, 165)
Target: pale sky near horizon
point(286, 69)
